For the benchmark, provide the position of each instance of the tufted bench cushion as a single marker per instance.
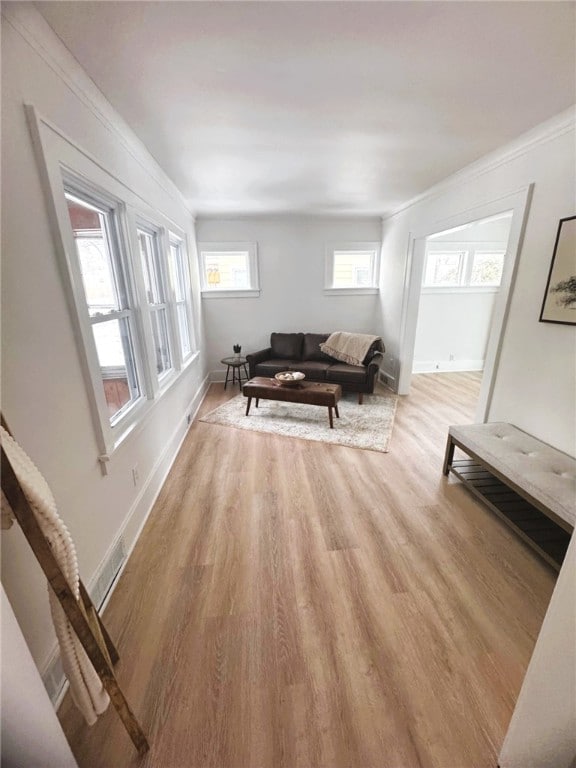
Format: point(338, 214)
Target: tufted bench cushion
point(545, 473)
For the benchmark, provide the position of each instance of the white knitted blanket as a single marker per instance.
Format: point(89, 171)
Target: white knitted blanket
point(85, 686)
point(350, 348)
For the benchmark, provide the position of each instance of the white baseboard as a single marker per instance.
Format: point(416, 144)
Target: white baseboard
point(129, 533)
point(447, 366)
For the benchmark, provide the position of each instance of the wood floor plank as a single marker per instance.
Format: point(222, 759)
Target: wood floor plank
point(293, 604)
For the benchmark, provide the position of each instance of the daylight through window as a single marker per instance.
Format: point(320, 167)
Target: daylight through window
point(108, 301)
point(472, 267)
point(352, 267)
point(229, 269)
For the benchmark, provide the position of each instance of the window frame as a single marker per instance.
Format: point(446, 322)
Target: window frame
point(173, 238)
point(94, 195)
point(138, 223)
point(469, 250)
point(253, 291)
point(370, 290)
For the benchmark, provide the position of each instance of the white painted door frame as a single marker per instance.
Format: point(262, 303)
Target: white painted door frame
point(518, 202)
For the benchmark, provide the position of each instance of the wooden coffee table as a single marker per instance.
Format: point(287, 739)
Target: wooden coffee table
point(308, 392)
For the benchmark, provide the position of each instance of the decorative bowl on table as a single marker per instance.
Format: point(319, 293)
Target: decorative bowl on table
point(289, 378)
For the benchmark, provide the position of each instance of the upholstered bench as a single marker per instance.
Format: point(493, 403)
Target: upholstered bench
point(526, 482)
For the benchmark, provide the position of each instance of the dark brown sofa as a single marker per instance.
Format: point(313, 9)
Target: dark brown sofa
point(301, 352)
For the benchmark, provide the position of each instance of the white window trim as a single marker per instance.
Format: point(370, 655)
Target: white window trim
point(370, 290)
point(57, 154)
point(461, 289)
point(242, 293)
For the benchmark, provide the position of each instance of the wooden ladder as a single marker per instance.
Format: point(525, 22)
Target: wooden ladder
point(81, 613)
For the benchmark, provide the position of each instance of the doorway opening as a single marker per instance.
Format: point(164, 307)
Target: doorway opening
point(462, 275)
point(444, 258)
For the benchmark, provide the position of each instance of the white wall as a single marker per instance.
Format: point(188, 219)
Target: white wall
point(44, 394)
point(291, 253)
point(452, 331)
point(542, 732)
point(31, 733)
point(536, 377)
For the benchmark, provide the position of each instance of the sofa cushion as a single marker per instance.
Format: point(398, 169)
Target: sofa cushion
point(311, 348)
point(313, 369)
point(346, 373)
point(273, 366)
point(286, 346)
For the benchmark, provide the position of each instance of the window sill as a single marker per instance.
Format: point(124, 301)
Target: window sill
point(351, 291)
point(250, 293)
point(140, 412)
point(462, 289)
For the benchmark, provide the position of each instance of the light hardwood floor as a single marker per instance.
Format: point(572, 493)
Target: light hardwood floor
point(296, 604)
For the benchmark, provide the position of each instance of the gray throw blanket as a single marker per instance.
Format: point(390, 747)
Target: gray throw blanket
point(350, 348)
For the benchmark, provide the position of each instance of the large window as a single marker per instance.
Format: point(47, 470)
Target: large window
point(229, 269)
point(138, 309)
point(106, 284)
point(466, 266)
point(352, 268)
point(126, 277)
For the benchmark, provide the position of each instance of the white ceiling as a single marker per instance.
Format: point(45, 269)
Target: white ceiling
point(322, 107)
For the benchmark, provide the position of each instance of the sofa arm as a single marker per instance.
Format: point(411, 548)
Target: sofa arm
point(376, 361)
point(372, 369)
point(257, 357)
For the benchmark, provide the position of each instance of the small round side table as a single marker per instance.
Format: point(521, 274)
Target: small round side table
point(238, 366)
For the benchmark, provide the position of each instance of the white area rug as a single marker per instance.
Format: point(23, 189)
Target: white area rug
point(366, 426)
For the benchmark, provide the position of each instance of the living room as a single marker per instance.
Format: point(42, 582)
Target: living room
point(106, 496)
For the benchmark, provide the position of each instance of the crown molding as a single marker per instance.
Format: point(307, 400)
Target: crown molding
point(29, 23)
point(541, 134)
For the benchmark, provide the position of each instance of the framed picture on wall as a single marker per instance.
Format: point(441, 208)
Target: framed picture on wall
point(559, 305)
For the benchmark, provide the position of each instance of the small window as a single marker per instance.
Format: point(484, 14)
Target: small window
point(487, 267)
point(352, 267)
point(463, 266)
point(180, 279)
point(444, 269)
point(108, 299)
point(228, 269)
point(155, 280)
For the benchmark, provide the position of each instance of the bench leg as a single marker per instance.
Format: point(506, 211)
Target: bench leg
point(248, 405)
point(448, 456)
point(257, 401)
point(330, 417)
point(360, 398)
point(336, 411)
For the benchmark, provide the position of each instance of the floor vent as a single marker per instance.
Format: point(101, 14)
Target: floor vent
point(53, 677)
point(108, 573)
